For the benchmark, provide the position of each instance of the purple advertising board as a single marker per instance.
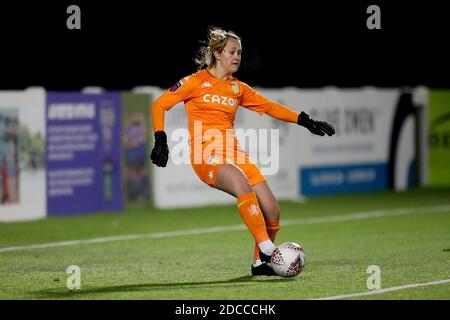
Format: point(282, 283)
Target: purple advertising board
point(82, 153)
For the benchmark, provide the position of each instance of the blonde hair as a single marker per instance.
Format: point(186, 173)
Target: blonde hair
point(217, 40)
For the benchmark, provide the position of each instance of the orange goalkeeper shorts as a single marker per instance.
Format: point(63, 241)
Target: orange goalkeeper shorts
point(207, 169)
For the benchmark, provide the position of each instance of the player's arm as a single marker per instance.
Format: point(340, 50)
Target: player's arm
point(286, 114)
point(177, 93)
point(160, 152)
point(254, 101)
point(283, 113)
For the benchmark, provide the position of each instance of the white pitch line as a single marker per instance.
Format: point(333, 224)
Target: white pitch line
point(238, 227)
point(369, 214)
point(379, 291)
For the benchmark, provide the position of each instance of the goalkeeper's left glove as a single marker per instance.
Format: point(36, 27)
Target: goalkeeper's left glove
point(316, 127)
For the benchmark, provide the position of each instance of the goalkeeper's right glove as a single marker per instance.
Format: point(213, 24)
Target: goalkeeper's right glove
point(160, 152)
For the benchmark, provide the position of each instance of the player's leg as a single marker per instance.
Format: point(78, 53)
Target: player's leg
point(267, 201)
point(269, 208)
point(271, 212)
point(231, 179)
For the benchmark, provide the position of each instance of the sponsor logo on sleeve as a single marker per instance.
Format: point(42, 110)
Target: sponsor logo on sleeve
point(176, 86)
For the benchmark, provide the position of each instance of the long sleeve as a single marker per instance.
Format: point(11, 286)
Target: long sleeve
point(280, 112)
point(181, 91)
point(158, 112)
point(254, 101)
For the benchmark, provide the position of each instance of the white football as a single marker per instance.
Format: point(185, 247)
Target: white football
point(288, 259)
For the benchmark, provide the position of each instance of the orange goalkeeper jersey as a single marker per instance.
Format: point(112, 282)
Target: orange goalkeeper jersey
point(213, 102)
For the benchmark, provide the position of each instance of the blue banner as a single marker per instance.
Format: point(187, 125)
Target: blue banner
point(83, 172)
point(344, 178)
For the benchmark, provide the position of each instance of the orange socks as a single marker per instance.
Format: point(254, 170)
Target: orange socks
point(272, 227)
point(251, 214)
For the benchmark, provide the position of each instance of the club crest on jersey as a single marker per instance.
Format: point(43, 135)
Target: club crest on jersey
point(176, 86)
point(234, 88)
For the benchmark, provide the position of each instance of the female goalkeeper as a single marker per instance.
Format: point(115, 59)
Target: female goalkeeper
point(211, 97)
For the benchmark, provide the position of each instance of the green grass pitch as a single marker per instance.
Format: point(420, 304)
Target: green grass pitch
point(409, 248)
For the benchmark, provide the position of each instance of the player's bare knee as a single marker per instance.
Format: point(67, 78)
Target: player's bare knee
point(240, 182)
point(242, 186)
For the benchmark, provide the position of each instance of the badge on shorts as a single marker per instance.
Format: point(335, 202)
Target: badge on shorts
point(234, 88)
point(213, 161)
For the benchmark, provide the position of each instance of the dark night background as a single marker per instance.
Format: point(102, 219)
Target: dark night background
point(285, 43)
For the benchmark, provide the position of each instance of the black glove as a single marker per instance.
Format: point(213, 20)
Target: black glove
point(316, 127)
point(160, 152)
